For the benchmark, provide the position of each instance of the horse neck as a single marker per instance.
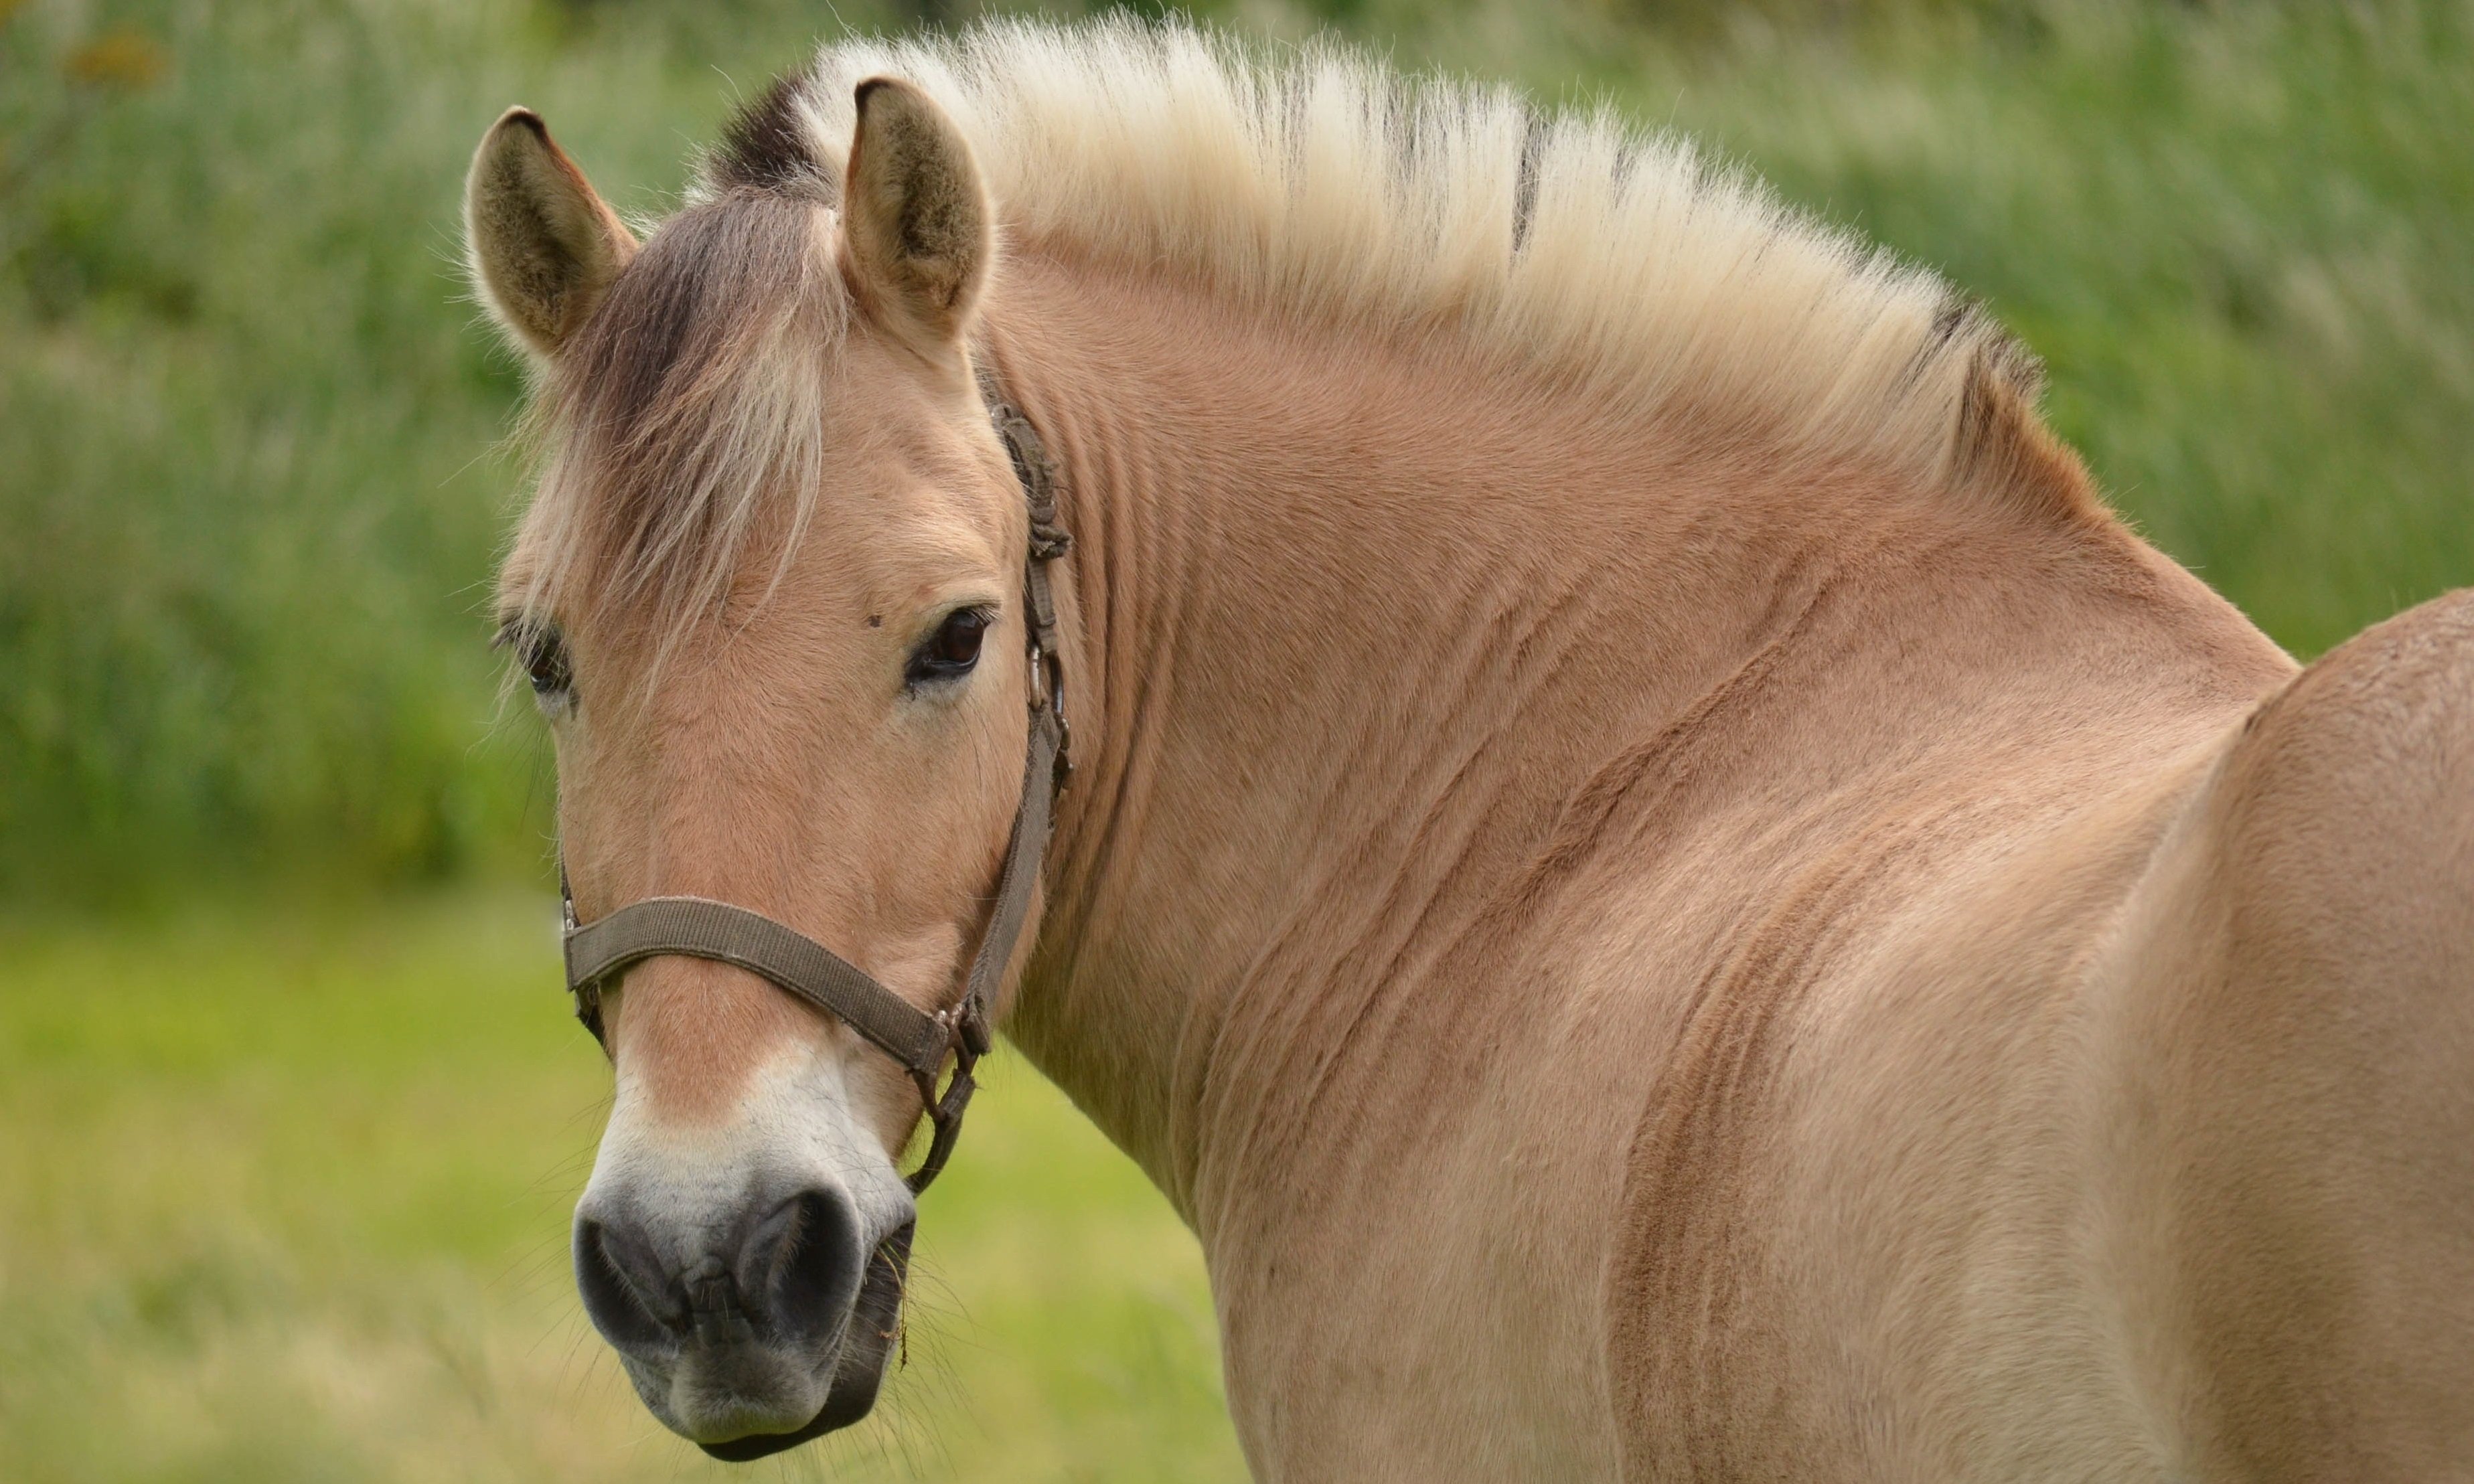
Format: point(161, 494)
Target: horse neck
point(1359, 634)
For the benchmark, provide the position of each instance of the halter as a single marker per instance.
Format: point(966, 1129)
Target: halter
point(599, 951)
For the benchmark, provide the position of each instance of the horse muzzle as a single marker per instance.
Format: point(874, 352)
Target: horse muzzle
point(754, 1334)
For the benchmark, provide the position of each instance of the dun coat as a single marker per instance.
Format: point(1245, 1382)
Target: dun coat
point(1666, 891)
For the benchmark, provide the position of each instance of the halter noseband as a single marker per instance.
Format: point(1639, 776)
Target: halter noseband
point(598, 953)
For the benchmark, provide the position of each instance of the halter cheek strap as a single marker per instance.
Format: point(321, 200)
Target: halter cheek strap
point(600, 951)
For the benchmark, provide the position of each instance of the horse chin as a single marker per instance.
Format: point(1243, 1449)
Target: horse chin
point(858, 1371)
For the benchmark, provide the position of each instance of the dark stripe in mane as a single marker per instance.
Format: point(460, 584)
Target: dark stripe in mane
point(763, 147)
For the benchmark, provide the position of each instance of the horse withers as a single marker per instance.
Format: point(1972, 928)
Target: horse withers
point(1666, 891)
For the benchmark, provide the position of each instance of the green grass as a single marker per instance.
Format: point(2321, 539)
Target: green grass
point(283, 1196)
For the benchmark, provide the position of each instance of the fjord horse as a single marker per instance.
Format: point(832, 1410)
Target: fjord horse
point(1666, 891)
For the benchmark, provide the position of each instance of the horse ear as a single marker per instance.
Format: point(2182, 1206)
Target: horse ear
point(542, 247)
point(915, 230)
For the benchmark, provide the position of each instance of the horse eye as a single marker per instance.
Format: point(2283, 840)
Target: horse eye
point(959, 638)
point(543, 655)
point(954, 648)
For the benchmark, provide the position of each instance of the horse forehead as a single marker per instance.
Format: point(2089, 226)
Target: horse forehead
point(911, 485)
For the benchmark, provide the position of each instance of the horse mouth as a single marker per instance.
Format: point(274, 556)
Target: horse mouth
point(858, 1371)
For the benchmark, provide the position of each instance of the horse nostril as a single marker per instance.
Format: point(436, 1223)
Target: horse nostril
point(802, 1265)
point(626, 1293)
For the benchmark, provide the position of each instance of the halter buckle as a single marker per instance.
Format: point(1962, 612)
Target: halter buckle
point(967, 1037)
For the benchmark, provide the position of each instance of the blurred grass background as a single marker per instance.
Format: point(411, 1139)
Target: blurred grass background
point(290, 1114)
point(285, 1199)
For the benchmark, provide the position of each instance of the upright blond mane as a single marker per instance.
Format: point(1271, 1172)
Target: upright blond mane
point(1318, 184)
point(1326, 184)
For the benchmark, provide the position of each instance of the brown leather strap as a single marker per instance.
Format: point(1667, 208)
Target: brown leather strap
point(1020, 876)
point(697, 927)
point(598, 953)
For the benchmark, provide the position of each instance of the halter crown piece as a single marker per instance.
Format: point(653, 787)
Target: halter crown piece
point(599, 951)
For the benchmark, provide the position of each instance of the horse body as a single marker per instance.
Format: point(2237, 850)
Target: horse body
point(1663, 921)
point(1495, 1061)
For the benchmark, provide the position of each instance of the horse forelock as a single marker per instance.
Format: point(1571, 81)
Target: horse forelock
point(690, 408)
